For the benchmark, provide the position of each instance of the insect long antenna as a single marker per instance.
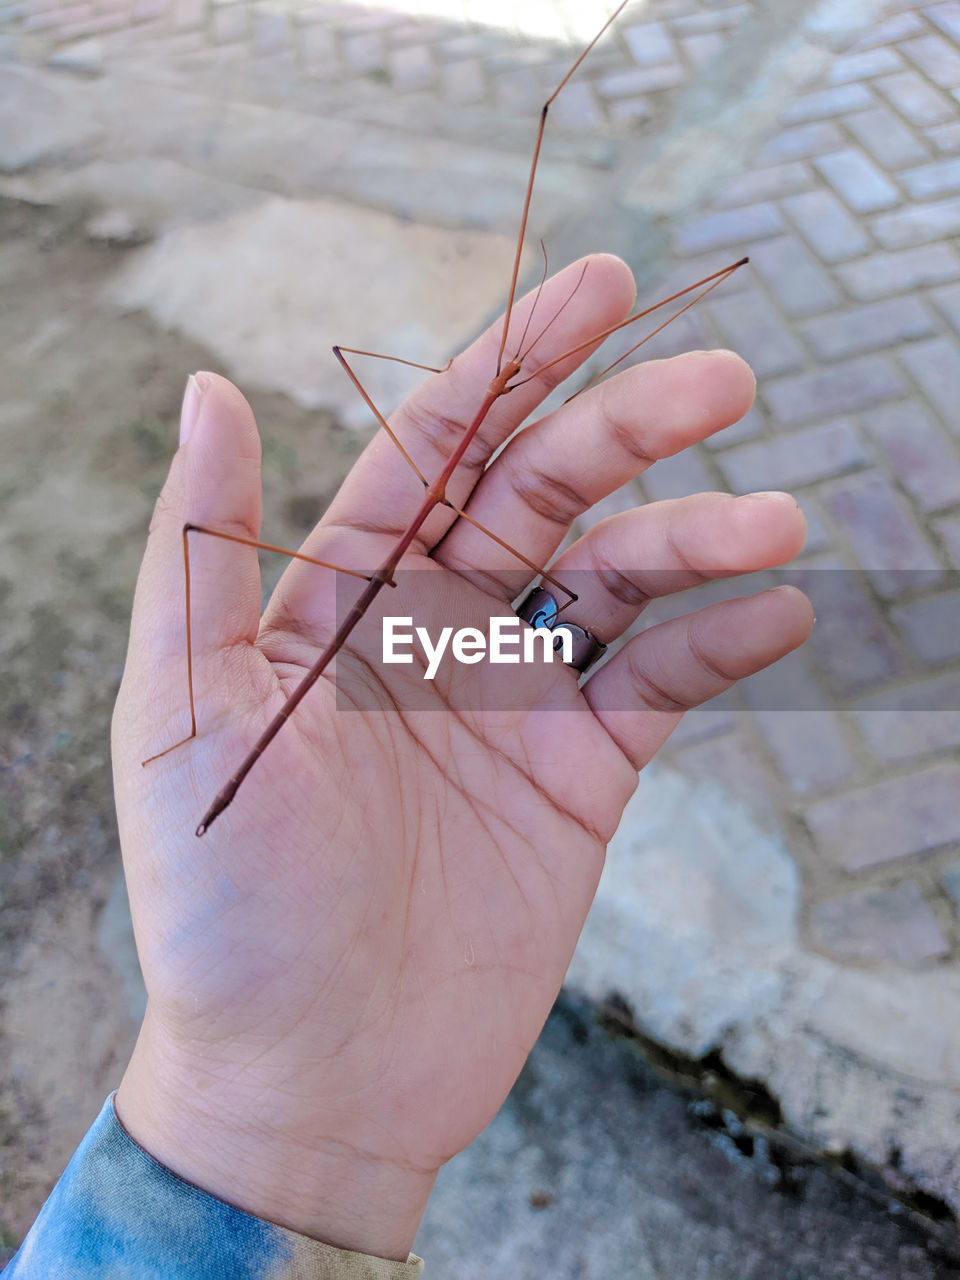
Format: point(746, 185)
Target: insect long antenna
point(556, 315)
point(659, 329)
point(515, 275)
point(536, 299)
point(717, 276)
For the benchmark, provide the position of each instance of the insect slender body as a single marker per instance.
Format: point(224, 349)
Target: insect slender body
point(508, 376)
point(436, 493)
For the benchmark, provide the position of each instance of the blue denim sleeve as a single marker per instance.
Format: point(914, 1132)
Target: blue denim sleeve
point(117, 1214)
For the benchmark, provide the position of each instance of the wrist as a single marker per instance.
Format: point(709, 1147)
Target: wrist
point(264, 1151)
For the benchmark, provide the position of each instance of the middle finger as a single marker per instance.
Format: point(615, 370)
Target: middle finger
point(555, 470)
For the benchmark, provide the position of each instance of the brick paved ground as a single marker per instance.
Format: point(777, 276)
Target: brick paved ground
point(850, 315)
point(851, 318)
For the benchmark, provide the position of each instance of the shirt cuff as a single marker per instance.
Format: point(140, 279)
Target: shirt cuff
point(118, 1214)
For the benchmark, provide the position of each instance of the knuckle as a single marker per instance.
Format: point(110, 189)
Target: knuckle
point(548, 376)
point(709, 664)
point(420, 418)
point(654, 696)
point(548, 496)
point(698, 575)
point(622, 587)
point(621, 433)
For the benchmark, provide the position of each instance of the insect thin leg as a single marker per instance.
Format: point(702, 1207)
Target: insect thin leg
point(537, 569)
point(246, 542)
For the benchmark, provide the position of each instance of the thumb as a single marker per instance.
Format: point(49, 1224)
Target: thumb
point(214, 481)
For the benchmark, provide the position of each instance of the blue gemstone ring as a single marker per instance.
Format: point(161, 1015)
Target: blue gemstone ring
point(540, 609)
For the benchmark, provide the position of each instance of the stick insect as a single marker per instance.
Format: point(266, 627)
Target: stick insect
point(509, 374)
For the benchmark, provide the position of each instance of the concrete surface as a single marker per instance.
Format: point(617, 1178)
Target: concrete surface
point(596, 1167)
point(182, 183)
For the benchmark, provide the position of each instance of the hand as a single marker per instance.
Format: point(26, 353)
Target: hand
point(346, 974)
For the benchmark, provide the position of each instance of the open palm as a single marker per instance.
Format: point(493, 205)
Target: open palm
point(347, 973)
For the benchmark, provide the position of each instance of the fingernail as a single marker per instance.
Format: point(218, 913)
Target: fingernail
point(764, 495)
point(192, 397)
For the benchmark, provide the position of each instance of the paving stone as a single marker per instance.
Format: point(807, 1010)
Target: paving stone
point(54, 17)
point(911, 720)
point(148, 10)
point(803, 140)
point(858, 180)
point(886, 137)
point(920, 456)
point(932, 179)
point(271, 33)
point(688, 332)
point(947, 301)
point(935, 365)
point(517, 91)
point(857, 66)
point(310, 13)
point(710, 720)
point(936, 58)
point(915, 98)
point(808, 747)
point(377, 20)
point(650, 43)
point(676, 477)
point(364, 51)
point(712, 19)
point(189, 13)
point(629, 109)
point(411, 68)
point(318, 51)
point(465, 81)
point(795, 276)
point(803, 735)
point(578, 108)
point(932, 626)
point(897, 27)
point(752, 326)
point(729, 227)
point(886, 273)
point(855, 384)
point(818, 538)
point(736, 763)
point(703, 48)
point(750, 425)
point(888, 924)
point(799, 458)
point(889, 820)
point(622, 84)
point(918, 224)
point(823, 103)
point(883, 533)
point(951, 882)
point(945, 137)
point(94, 25)
point(880, 324)
point(827, 225)
point(947, 18)
point(854, 647)
point(949, 530)
point(767, 184)
point(228, 23)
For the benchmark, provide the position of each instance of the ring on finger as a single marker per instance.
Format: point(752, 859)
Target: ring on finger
point(540, 609)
